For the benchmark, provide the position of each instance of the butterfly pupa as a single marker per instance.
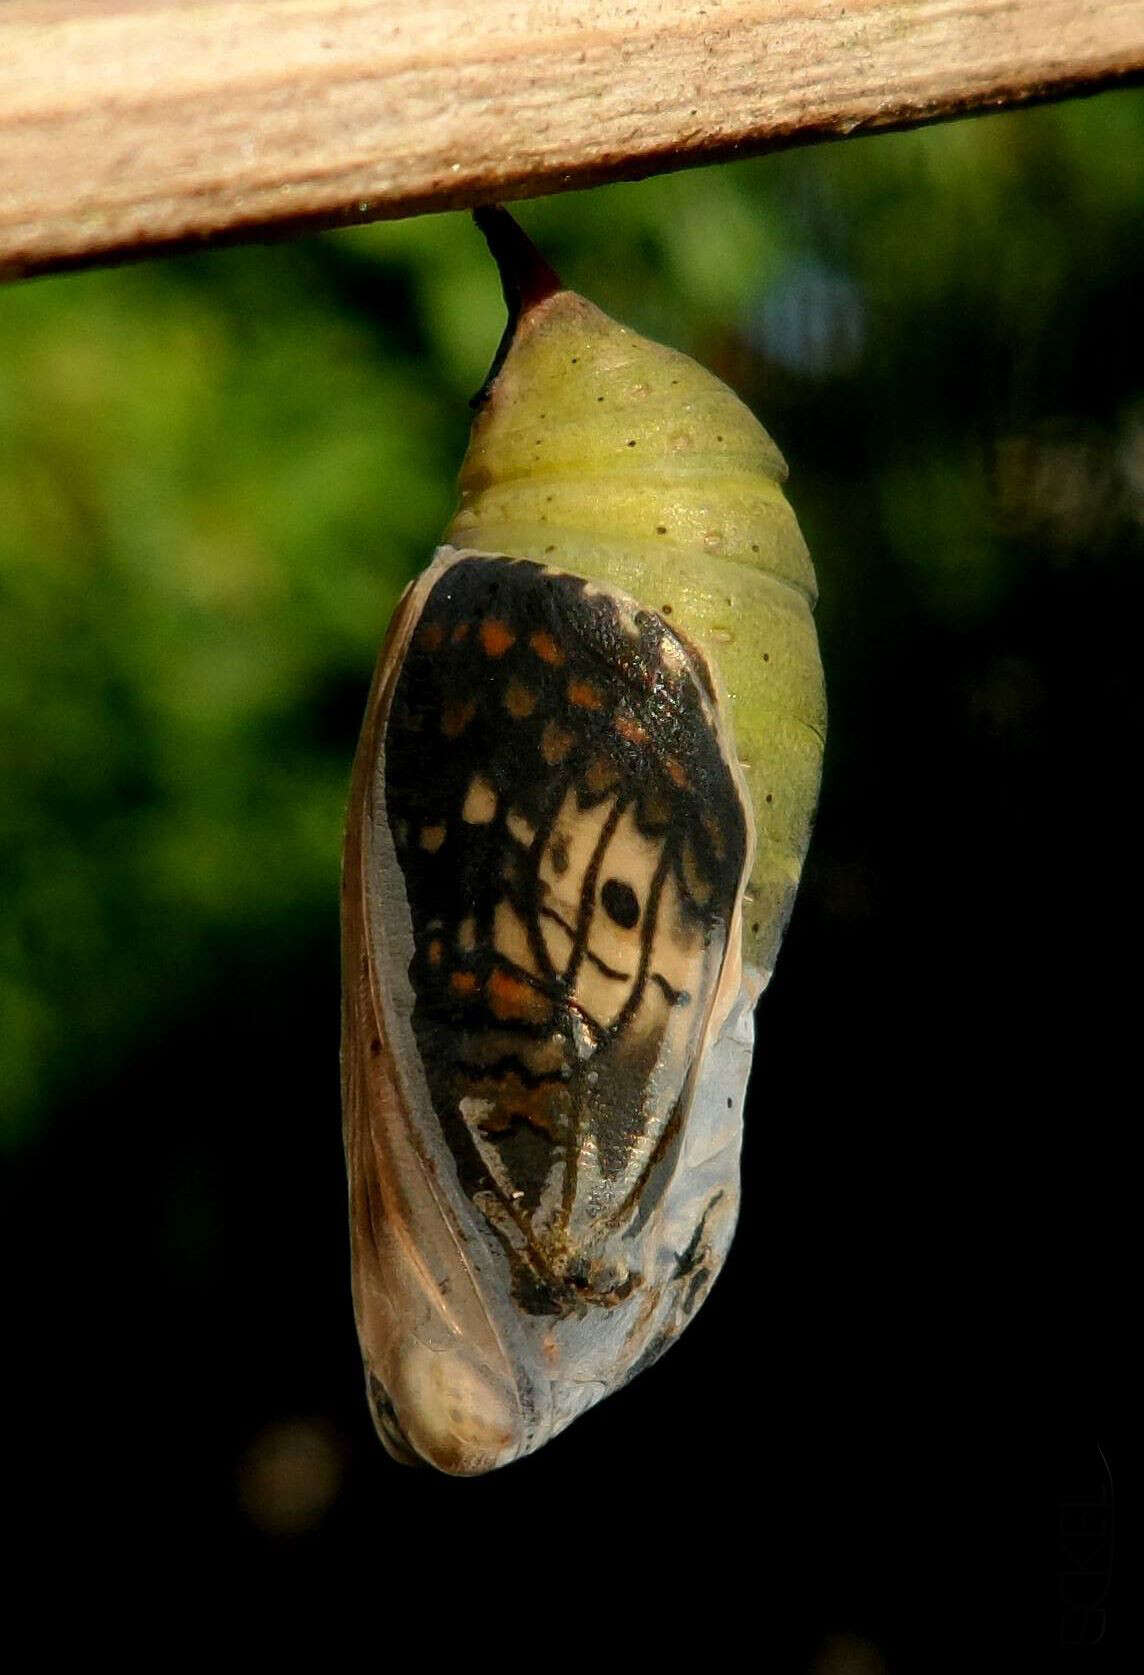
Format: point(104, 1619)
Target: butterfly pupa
point(579, 810)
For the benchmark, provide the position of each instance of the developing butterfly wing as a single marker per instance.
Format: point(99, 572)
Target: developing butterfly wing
point(544, 877)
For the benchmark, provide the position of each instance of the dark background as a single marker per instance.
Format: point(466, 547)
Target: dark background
point(216, 473)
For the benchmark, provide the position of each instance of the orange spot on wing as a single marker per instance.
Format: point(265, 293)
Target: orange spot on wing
point(630, 730)
point(699, 887)
point(456, 715)
point(496, 636)
point(675, 770)
point(430, 636)
point(711, 827)
point(434, 951)
point(459, 633)
point(511, 999)
point(463, 983)
point(555, 743)
point(601, 775)
point(654, 811)
point(546, 648)
point(584, 696)
point(519, 701)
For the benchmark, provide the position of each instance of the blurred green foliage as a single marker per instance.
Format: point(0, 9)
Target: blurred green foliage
point(217, 472)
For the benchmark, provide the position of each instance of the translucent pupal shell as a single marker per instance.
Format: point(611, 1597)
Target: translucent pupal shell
point(580, 806)
point(547, 846)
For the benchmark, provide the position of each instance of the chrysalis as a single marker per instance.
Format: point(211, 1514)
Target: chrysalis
point(580, 807)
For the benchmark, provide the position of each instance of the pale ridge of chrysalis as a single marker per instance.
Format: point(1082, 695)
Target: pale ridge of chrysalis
point(620, 460)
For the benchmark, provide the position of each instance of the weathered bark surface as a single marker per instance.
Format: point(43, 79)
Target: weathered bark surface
point(132, 125)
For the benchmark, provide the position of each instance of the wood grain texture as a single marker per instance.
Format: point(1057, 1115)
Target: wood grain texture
point(132, 125)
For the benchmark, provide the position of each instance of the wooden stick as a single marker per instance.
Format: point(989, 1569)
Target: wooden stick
point(128, 126)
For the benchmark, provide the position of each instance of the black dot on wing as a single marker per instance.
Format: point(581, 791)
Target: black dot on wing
point(620, 903)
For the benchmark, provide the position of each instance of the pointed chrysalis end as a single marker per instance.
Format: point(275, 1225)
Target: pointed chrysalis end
point(526, 278)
